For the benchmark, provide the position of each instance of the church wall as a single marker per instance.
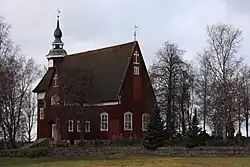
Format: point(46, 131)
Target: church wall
point(92, 115)
point(137, 97)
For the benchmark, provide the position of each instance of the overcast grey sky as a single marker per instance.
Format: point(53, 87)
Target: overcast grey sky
point(89, 24)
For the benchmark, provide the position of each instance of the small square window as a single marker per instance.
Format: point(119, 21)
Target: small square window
point(136, 71)
point(41, 113)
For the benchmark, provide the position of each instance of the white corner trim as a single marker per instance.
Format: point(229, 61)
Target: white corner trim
point(50, 63)
point(40, 96)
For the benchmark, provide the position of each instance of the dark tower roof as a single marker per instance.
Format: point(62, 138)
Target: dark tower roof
point(57, 50)
point(58, 32)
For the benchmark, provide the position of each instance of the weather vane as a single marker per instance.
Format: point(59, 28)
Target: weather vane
point(58, 13)
point(135, 28)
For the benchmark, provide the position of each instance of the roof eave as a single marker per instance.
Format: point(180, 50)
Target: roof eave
point(132, 50)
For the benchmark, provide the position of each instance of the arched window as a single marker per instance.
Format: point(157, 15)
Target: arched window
point(145, 121)
point(128, 121)
point(104, 121)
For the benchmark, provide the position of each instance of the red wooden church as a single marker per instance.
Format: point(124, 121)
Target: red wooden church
point(120, 106)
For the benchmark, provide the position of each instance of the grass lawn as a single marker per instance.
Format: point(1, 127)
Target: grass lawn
point(147, 161)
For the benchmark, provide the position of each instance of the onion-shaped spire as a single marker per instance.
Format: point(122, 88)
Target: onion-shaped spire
point(58, 31)
point(57, 45)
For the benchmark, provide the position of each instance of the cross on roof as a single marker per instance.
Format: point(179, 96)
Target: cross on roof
point(135, 27)
point(58, 12)
point(136, 54)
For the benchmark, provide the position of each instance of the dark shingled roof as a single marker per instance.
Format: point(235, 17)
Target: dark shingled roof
point(44, 83)
point(108, 64)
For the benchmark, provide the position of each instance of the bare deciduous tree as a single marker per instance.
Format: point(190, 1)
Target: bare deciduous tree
point(30, 115)
point(223, 41)
point(17, 76)
point(202, 88)
point(172, 82)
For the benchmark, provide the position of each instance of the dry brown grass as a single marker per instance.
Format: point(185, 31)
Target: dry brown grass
point(128, 161)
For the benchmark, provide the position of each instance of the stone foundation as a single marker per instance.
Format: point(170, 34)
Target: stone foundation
point(103, 151)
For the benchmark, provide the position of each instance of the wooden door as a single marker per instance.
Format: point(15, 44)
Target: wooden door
point(114, 129)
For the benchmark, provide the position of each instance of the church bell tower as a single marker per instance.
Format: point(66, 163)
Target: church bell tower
point(57, 53)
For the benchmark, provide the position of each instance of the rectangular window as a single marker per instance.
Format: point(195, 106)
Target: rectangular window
point(145, 121)
point(87, 126)
point(78, 126)
point(136, 70)
point(41, 113)
point(71, 125)
point(104, 122)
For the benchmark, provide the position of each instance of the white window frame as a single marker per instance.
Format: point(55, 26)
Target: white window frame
point(87, 126)
point(41, 111)
point(55, 79)
point(128, 121)
point(71, 125)
point(136, 70)
point(103, 121)
point(78, 126)
point(144, 121)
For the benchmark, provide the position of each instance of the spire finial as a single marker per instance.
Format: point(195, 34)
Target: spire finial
point(58, 13)
point(135, 28)
point(58, 32)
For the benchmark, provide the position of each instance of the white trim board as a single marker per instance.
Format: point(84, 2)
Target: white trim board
point(103, 104)
point(40, 95)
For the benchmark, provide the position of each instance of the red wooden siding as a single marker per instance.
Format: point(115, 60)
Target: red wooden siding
point(136, 97)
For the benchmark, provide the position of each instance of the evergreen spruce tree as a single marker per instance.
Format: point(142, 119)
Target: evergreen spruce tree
point(155, 134)
point(192, 139)
point(195, 128)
